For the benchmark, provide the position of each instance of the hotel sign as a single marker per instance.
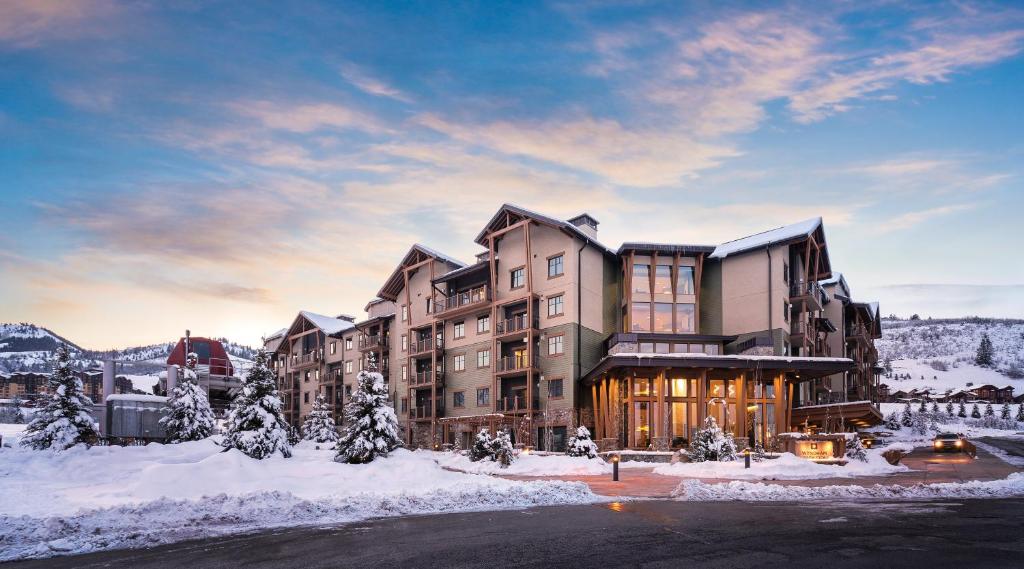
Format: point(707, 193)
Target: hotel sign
point(815, 450)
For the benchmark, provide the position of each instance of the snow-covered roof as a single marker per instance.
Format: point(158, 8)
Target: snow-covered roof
point(547, 220)
point(137, 398)
point(758, 240)
point(327, 324)
point(838, 279)
point(440, 255)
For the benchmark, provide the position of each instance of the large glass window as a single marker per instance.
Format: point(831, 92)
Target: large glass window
point(641, 317)
point(662, 317)
point(684, 282)
point(663, 279)
point(641, 278)
point(685, 323)
point(556, 266)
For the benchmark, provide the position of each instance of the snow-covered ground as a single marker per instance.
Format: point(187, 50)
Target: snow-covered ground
point(786, 467)
point(535, 465)
point(113, 497)
point(966, 427)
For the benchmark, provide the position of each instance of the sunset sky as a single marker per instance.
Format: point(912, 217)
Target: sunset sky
point(219, 166)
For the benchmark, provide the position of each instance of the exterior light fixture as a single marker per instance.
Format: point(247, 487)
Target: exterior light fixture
point(615, 468)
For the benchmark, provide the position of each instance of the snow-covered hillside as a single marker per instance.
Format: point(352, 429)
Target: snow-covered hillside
point(940, 353)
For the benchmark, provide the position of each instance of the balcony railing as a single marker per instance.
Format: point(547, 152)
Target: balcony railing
point(857, 332)
point(425, 377)
point(466, 299)
point(805, 288)
point(517, 323)
point(425, 346)
point(516, 363)
point(426, 411)
point(307, 358)
point(373, 342)
point(515, 404)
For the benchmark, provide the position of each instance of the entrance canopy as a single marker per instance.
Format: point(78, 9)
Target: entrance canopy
point(796, 368)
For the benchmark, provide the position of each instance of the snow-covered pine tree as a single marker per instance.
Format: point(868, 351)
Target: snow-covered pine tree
point(481, 448)
point(855, 450)
point(65, 420)
point(975, 412)
point(501, 449)
point(949, 409)
point(1020, 413)
point(922, 408)
point(319, 426)
point(294, 436)
point(907, 418)
point(985, 352)
point(892, 422)
point(962, 411)
point(255, 424)
point(581, 444)
point(188, 415)
point(935, 408)
point(989, 411)
point(13, 413)
point(711, 444)
point(372, 428)
point(920, 423)
point(1004, 413)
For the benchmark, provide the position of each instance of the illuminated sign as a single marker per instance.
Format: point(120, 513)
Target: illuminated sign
point(815, 450)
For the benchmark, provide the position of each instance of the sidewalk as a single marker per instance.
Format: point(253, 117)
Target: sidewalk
point(926, 468)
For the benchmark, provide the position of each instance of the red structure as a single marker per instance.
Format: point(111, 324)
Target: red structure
point(211, 353)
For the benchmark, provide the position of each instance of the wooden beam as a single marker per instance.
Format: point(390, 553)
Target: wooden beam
point(697, 273)
point(593, 405)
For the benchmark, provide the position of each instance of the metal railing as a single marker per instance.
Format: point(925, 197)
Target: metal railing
point(373, 342)
point(425, 345)
point(471, 297)
point(425, 377)
point(516, 403)
point(517, 323)
point(516, 363)
point(805, 288)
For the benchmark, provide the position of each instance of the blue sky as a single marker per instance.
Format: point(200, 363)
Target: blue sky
point(219, 166)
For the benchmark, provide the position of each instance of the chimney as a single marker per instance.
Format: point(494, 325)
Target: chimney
point(346, 318)
point(586, 224)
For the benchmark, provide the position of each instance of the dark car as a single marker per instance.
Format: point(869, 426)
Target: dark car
point(948, 442)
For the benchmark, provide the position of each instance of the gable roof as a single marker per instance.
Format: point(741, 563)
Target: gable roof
point(670, 248)
point(778, 236)
point(539, 218)
point(416, 253)
point(327, 324)
point(837, 279)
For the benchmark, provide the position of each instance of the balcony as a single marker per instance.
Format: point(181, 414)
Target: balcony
point(798, 332)
point(517, 325)
point(516, 364)
point(425, 346)
point(373, 343)
point(426, 411)
point(515, 404)
point(308, 359)
point(461, 302)
point(426, 378)
point(805, 296)
point(856, 333)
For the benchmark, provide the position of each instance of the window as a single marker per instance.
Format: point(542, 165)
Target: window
point(361, 364)
point(663, 279)
point(483, 358)
point(483, 324)
point(405, 373)
point(348, 343)
point(785, 272)
point(405, 313)
point(317, 376)
point(459, 363)
point(305, 397)
point(685, 319)
point(641, 278)
point(662, 317)
point(518, 277)
point(459, 399)
point(641, 317)
point(556, 345)
point(348, 390)
point(305, 377)
point(684, 282)
point(348, 366)
point(555, 389)
point(483, 396)
point(405, 405)
point(786, 307)
point(334, 348)
point(556, 266)
point(459, 330)
point(556, 305)
point(405, 342)
point(430, 305)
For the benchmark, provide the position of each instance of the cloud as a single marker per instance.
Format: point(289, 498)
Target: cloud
point(305, 118)
point(359, 77)
point(914, 218)
point(30, 23)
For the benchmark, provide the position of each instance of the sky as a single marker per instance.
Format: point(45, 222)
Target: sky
point(219, 166)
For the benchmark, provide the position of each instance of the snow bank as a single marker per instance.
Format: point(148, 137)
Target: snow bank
point(111, 497)
point(787, 467)
point(697, 491)
point(535, 465)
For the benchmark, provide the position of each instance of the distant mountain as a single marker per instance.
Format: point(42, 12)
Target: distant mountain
point(27, 347)
point(940, 353)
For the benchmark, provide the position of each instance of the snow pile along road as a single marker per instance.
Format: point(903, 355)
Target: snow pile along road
point(697, 491)
point(535, 465)
point(114, 497)
point(786, 467)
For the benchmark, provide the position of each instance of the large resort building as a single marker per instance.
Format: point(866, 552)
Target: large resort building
point(548, 329)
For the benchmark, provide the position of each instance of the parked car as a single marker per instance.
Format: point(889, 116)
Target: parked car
point(948, 442)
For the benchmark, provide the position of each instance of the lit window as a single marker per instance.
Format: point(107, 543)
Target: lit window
point(663, 279)
point(641, 278)
point(334, 348)
point(556, 266)
point(641, 317)
point(684, 282)
point(348, 343)
point(556, 305)
point(405, 373)
point(405, 342)
point(348, 366)
point(662, 317)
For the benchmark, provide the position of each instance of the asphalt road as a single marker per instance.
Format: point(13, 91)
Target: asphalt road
point(1013, 447)
point(970, 533)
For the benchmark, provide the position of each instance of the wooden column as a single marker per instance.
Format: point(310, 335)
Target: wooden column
point(630, 414)
point(702, 398)
point(660, 415)
point(594, 406)
point(789, 406)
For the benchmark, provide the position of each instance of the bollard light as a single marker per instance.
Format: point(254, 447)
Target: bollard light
point(746, 457)
point(615, 468)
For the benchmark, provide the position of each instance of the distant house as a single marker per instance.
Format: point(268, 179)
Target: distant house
point(30, 385)
point(993, 394)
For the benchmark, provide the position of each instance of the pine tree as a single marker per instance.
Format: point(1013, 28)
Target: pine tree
point(920, 424)
point(581, 444)
point(256, 425)
point(1020, 413)
point(949, 409)
point(372, 429)
point(319, 426)
point(989, 412)
point(922, 408)
point(892, 422)
point(975, 413)
point(907, 418)
point(935, 408)
point(481, 446)
point(17, 415)
point(985, 352)
point(962, 411)
point(501, 449)
point(711, 444)
point(65, 420)
point(1004, 413)
point(188, 417)
point(855, 450)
